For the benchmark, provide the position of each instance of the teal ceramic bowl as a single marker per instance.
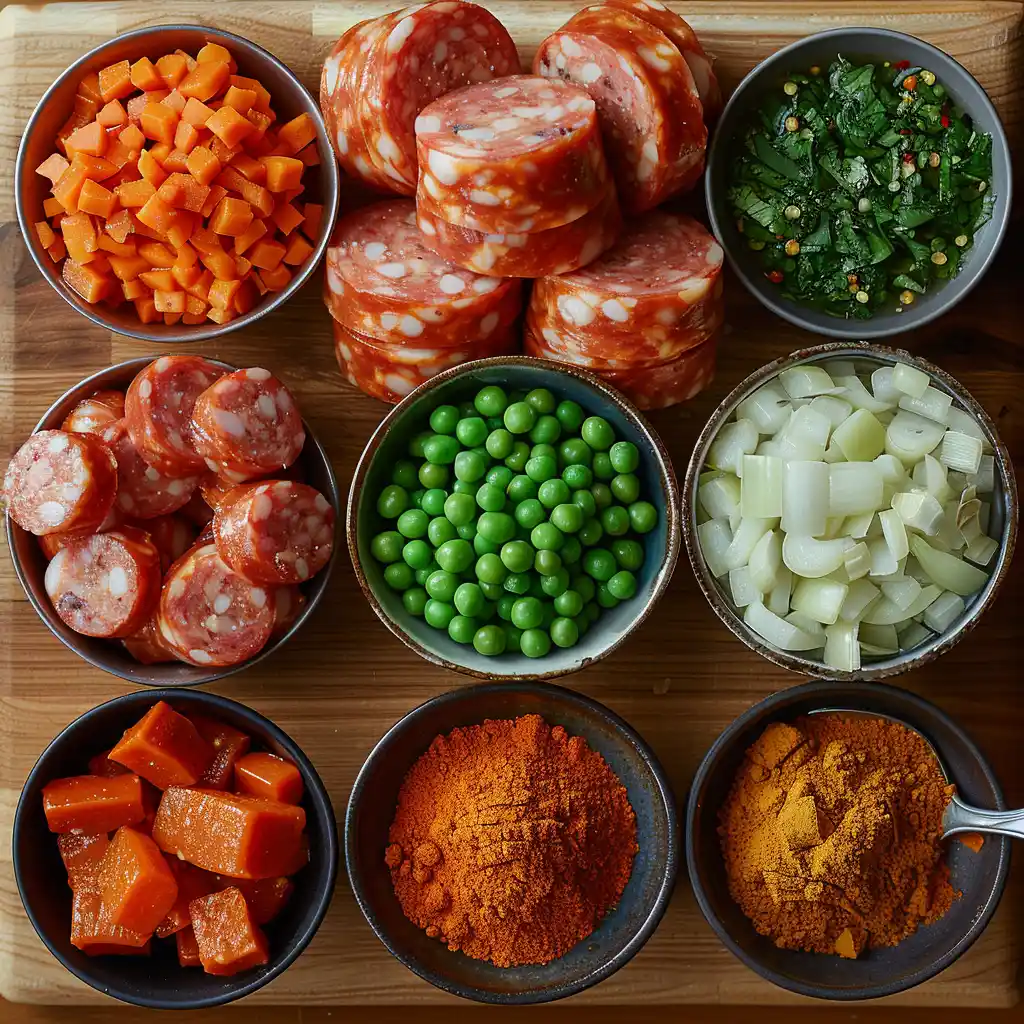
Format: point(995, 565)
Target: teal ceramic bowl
point(390, 443)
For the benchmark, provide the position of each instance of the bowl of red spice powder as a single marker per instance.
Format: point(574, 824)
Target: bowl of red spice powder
point(512, 843)
point(813, 841)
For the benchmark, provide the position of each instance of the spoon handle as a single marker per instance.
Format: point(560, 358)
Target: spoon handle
point(961, 818)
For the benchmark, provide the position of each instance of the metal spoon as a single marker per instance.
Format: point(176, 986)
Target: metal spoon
point(958, 816)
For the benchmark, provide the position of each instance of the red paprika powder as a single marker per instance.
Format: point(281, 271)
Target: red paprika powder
point(511, 841)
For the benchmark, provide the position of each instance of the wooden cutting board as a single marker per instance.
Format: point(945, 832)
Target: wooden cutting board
point(345, 680)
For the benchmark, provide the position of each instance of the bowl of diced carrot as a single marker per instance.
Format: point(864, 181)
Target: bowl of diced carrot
point(175, 849)
point(176, 183)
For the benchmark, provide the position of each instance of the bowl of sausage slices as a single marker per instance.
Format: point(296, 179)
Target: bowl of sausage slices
point(172, 520)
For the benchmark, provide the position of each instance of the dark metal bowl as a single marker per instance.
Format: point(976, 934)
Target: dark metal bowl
point(880, 972)
point(110, 655)
point(861, 44)
point(158, 981)
point(620, 935)
point(290, 98)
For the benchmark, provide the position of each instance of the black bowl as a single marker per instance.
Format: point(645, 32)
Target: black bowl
point(881, 972)
point(620, 935)
point(158, 981)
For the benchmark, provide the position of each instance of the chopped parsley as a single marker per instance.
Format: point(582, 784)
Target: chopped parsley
point(860, 188)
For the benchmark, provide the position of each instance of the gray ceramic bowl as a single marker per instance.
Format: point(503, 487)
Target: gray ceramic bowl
point(881, 972)
point(619, 936)
point(1002, 526)
point(388, 444)
point(290, 98)
point(110, 655)
point(158, 981)
point(862, 44)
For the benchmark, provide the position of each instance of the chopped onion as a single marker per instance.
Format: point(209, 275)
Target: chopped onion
point(861, 437)
point(882, 386)
point(961, 452)
point(885, 613)
point(859, 525)
point(857, 561)
point(914, 635)
point(745, 539)
point(805, 497)
point(761, 487)
point(777, 631)
point(842, 651)
point(891, 469)
point(767, 408)
point(819, 599)
point(984, 480)
point(833, 408)
point(861, 595)
point(895, 533)
point(919, 511)
point(837, 368)
point(932, 405)
point(765, 561)
point(909, 380)
point(903, 593)
point(833, 527)
point(742, 589)
point(806, 429)
point(810, 626)
point(882, 639)
point(854, 487)
point(714, 538)
point(778, 599)
point(812, 558)
point(859, 397)
point(734, 441)
point(930, 475)
point(965, 423)
point(911, 437)
point(981, 550)
point(770, 447)
point(833, 453)
point(883, 561)
point(948, 571)
point(806, 381)
point(946, 609)
point(720, 497)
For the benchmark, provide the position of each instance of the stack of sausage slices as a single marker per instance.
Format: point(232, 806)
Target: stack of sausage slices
point(522, 176)
point(119, 493)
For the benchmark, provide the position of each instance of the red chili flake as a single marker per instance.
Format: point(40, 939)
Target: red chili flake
point(909, 158)
point(775, 276)
point(906, 131)
point(901, 65)
point(944, 120)
point(780, 237)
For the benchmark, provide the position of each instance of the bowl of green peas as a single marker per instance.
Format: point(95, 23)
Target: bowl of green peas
point(512, 519)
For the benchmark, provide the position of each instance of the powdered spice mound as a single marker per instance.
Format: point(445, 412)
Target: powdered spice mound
point(832, 834)
point(511, 841)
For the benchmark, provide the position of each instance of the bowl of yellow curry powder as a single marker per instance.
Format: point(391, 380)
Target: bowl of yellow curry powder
point(813, 840)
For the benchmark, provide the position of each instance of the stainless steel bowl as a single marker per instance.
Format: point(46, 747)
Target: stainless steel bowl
point(110, 655)
point(1003, 523)
point(290, 98)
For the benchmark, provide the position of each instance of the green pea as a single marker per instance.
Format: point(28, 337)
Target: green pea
point(590, 533)
point(490, 497)
point(542, 400)
point(624, 456)
point(592, 611)
point(505, 607)
point(494, 423)
point(527, 613)
point(404, 474)
point(572, 550)
point(444, 419)
point(564, 632)
point(440, 530)
point(438, 613)
point(492, 591)
point(441, 585)
point(549, 616)
point(459, 509)
point(521, 488)
point(424, 574)
point(416, 497)
point(547, 563)
point(433, 477)
point(519, 457)
point(387, 547)
point(605, 598)
point(469, 467)
point(517, 583)
point(489, 569)
point(393, 501)
point(433, 501)
point(465, 487)
point(500, 476)
point(570, 415)
point(575, 452)
point(398, 576)
point(440, 450)
point(622, 585)
point(490, 401)
point(598, 433)
point(489, 640)
point(625, 487)
point(417, 554)
point(536, 590)
point(615, 520)
point(603, 468)
point(629, 554)
point(517, 556)
point(519, 418)
point(497, 527)
point(499, 444)
point(455, 556)
point(568, 518)
point(602, 495)
point(467, 531)
point(584, 586)
point(541, 468)
point(513, 638)
point(462, 629)
point(469, 599)
point(414, 600)
point(585, 500)
point(412, 523)
point(483, 453)
point(599, 564)
point(471, 431)
point(529, 513)
point(582, 624)
point(543, 449)
point(482, 546)
point(643, 516)
point(467, 410)
point(546, 537)
point(417, 443)
point(554, 583)
point(577, 476)
point(546, 430)
point(569, 603)
point(534, 643)
point(553, 492)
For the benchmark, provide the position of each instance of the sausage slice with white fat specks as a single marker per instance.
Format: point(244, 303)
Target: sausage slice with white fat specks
point(143, 492)
point(94, 414)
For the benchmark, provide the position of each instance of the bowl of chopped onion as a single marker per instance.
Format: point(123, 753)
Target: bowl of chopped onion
point(850, 511)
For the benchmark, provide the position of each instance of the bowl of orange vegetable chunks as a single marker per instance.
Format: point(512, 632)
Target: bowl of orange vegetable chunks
point(176, 183)
point(197, 843)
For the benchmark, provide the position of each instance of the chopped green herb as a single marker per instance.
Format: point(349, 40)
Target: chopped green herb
point(851, 186)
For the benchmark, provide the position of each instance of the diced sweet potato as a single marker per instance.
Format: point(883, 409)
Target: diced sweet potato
point(172, 68)
point(69, 186)
point(150, 170)
point(184, 192)
point(175, 101)
point(90, 139)
point(92, 804)
point(229, 940)
point(212, 53)
point(176, 160)
point(243, 268)
point(45, 234)
point(164, 747)
point(310, 155)
point(222, 295)
point(205, 80)
point(225, 154)
point(137, 888)
point(255, 231)
point(115, 81)
point(102, 765)
point(270, 777)
point(186, 256)
point(229, 126)
point(202, 165)
point(240, 99)
point(230, 834)
point(158, 122)
point(260, 122)
point(196, 113)
point(115, 248)
point(134, 290)
point(94, 934)
point(192, 882)
point(120, 226)
point(97, 200)
point(299, 250)
point(145, 309)
point(89, 87)
point(297, 133)
point(312, 212)
point(51, 208)
point(169, 302)
point(82, 855)
point(250, 168)
point(265, 898)
point(131, 138)
point(188, 950)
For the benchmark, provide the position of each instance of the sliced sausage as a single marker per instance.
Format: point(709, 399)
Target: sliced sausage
point(146, 646)
point(173, 535)
point(288, 605)
point(143, 492)
point(94, 414)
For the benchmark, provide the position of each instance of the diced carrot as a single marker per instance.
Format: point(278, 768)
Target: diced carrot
point(161, 151)
point(132, 138)
point(260, 122)
point(260, 286)
point(265, 897)
point(205, 80)
point(189, 194)
point(204, 240)
point(112, 114)
point(175, 101)
point(299, 250)
point(196, 307)
point(53, 167)
point(82, 855)
point(196, 113)
point(136, 885)
point(231, 217)
point(150, 170)
point(91, 803)
point(71, 125)
point(158, 122)
point(283, 172)
point(267, 254)
point(176, 160)
point(225, 154)
point(46, 235)
point(80, 237)
point(186, 256)
point(201, 289)
point(217, 193)
point(243, 268)
point(169, 302)
point(115, 248)
point(220, 316)
point(145, 309)
point(240, 99)
point(97, 168)
point(172, 68)
point(181, 230)
point(213, 53)
point(297, 133)
point(119, 227)
point(172, 318)
point(156, 214)
point(202, 165)
point(262, 95)
point(69, 186)
point(90, 139)
point(119, 155)
point(127, 268)
point(171, 192)
point(144, 75)
point(134, 194)
point(291, 194)
point(190, 61)
point(222, 295)
point(228, 939)
point(250, 168)
point(137, 104)
point(90, 87)
point(310, 155)
point(246, 297)
point(220, 264)
point(256, 230)
point(193, 883)
point(134, 290)
point(188, 948)
point(86, 107)
point(267, 776)
point(115, 81)
point(96, 199)
point(287, 218)
point(52, 208)
point(229, 126)
point(100, 261)
point(164, 747)
point(230, 834)
point(277, 278)
point(157, 277)
point(147, 232)
point(57, 251)
point(184, 277)
point(312, 212)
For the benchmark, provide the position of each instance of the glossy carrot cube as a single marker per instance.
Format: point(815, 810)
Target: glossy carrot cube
point(268, 776)
point(156, 214)
point(137, 888)
point(262, 94)
point(158, 122)
point(192, 882)
point(89, 87)
point(115, 81)
point(97, 200)
point(287, 217)
point(229, 940)
point(297, 133)
point(267, 254)
point(203, 165)
point(277, 278)
point(172, 68)
point(220, 264)
point(92, 804)
point(112, 114)
point(127, 268)
point(188, 950)
point(80, 237)
point(255, 231)
point(196, 113)
point(53, 167)
point(229, 126)
point(186, 137)
point(82, 855)
point(164, 746)
point(132, 139)
point(231, 217)
point(299, 250)
point(145, 309)
point(205, 80)
point(283, 172)
point(144, 75)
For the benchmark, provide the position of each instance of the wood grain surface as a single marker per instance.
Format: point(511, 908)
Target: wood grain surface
point(339, 685)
